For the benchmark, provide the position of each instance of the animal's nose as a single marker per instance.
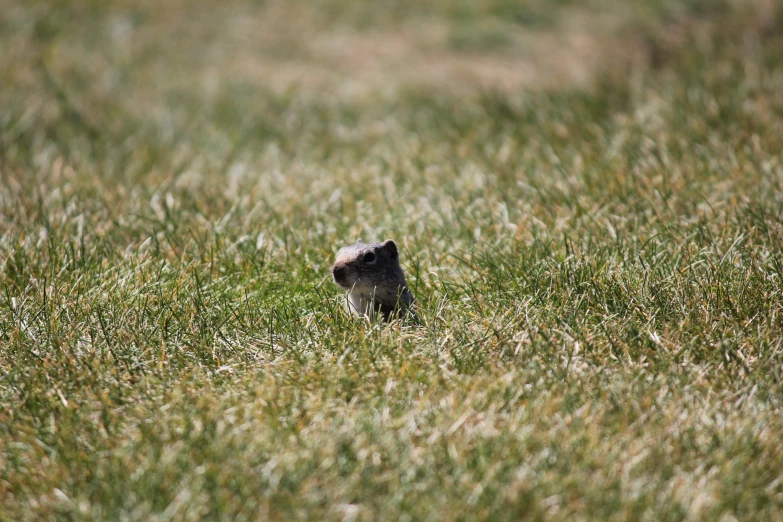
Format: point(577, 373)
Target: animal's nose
point(338, 271)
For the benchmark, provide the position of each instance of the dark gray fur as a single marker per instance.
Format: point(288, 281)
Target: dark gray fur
point(371, 275)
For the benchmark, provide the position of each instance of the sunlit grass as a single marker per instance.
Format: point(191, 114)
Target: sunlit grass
point(597, 269)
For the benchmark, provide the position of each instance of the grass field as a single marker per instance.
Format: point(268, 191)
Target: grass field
point(587, 198)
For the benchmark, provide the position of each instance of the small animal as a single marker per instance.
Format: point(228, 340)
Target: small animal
point(373, 280)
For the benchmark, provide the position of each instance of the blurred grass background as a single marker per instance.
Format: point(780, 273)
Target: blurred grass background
point(587, 196)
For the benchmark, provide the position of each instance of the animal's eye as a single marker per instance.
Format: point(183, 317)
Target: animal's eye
point(369, 257)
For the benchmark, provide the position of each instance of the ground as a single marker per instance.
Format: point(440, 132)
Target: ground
point(587, 198)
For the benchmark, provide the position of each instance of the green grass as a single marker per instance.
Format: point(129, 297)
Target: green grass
point(598, 267)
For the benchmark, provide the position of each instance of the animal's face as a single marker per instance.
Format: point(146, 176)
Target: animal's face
point(363, 266)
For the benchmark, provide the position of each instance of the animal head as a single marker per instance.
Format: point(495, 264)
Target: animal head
point(365, 266)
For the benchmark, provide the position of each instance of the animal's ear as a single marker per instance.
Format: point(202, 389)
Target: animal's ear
point(390, 247)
